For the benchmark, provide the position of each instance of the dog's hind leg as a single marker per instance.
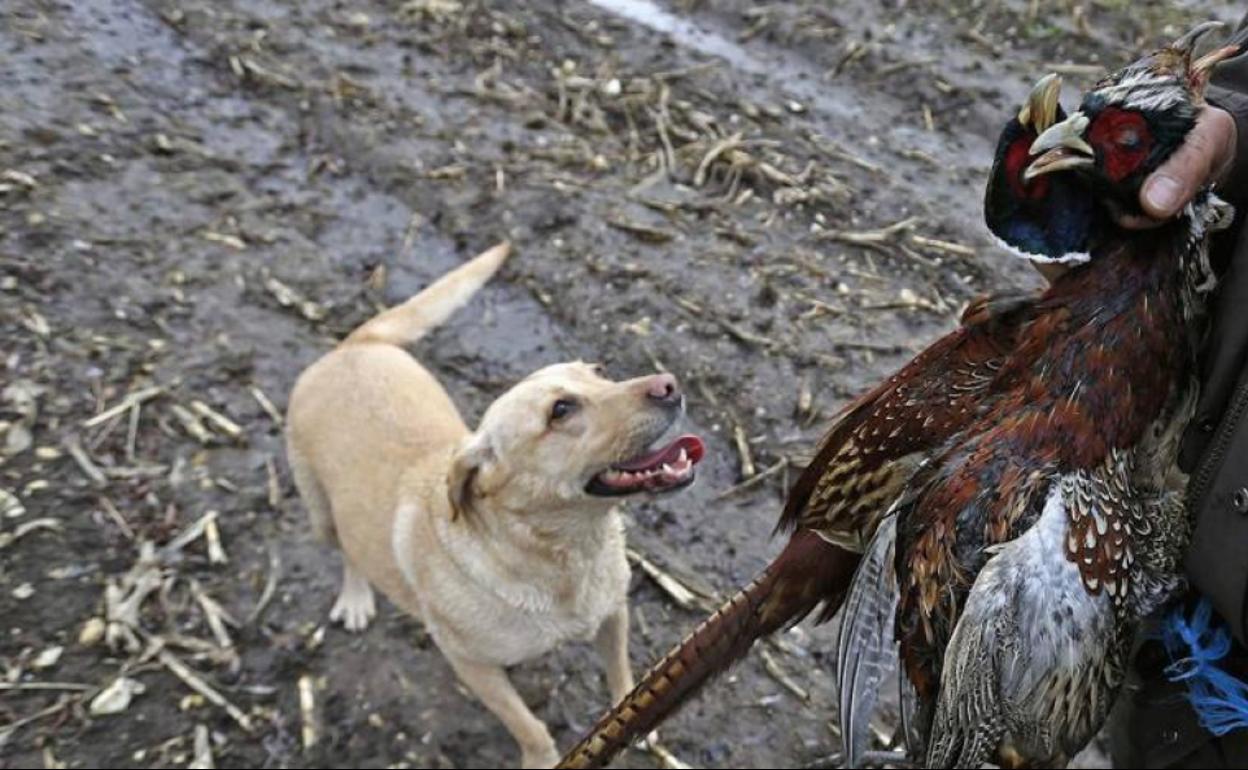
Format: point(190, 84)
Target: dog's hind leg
point(355, 605)
point(320, 514)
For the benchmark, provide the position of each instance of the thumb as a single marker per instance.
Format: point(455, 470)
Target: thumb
point(1164, 194)
point(1206, 150)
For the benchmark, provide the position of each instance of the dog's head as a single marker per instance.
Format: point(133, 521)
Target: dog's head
point(568, 436)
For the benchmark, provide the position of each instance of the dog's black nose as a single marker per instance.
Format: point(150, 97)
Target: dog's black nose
point(664, 389)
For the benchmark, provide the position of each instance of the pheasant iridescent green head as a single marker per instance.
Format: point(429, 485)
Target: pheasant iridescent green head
point(1130, 123)
point(1044, 219)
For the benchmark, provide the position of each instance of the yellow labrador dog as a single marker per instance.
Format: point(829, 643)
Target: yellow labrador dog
point(503, 541)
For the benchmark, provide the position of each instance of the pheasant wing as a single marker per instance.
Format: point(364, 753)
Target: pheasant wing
point(873, 449)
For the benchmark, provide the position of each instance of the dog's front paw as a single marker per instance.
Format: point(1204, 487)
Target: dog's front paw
point(545, 756)
point(354, 609)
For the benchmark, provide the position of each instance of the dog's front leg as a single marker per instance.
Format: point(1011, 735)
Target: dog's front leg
point(491, 685)
point(612, 644)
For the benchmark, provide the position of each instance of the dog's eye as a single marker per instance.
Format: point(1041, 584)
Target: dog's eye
point(562, 408)
point(600, 370)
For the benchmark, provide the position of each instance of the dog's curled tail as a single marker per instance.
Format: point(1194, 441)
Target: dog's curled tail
point(406, 323)
point(808, 572)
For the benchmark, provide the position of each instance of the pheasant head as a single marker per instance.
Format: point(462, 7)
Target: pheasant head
point(1130, 123)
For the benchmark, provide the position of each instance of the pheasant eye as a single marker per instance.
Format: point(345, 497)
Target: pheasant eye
point(1128, 138)
point(561, 409)
point(1123, 141)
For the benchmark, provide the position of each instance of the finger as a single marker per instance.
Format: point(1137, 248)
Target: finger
point(1205, 150)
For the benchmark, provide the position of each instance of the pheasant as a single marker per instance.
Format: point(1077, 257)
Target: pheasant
point(999, 514)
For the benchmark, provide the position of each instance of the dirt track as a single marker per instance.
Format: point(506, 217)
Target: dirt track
point(777, 203)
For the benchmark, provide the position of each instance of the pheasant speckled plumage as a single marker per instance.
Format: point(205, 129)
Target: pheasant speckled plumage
point(1037, 546)
point(1013, 486)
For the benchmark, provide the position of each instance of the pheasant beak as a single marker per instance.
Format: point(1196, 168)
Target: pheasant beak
point(1061, 147)
point(1040, 109)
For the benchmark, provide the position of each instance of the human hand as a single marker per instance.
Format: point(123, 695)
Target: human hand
point(1205, 158)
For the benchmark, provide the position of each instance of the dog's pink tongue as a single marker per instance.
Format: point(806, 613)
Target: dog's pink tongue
point(693, 446)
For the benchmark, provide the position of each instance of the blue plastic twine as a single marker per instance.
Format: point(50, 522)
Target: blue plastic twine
point(1196, 644)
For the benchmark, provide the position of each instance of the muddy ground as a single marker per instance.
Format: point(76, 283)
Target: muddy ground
point(779, 203)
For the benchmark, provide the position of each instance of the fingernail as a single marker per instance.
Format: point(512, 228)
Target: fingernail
point(1162, 194)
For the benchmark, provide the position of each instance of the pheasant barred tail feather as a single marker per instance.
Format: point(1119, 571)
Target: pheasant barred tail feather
point(808, 571)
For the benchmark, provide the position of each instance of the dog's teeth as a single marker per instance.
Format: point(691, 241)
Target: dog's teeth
point(682, 457)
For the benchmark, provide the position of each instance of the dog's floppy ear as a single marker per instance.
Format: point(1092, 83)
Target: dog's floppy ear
point(461, 480)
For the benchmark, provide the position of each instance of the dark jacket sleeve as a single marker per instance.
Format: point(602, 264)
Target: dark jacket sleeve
point(1229, 90)
point(1215, 447)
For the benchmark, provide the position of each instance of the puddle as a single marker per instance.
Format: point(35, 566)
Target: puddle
point(682, 31)
point(832, 99)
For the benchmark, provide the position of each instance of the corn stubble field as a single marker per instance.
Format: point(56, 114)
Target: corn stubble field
point(778, 203)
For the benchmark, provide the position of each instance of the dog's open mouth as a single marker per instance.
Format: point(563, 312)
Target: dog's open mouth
point(662, 470)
